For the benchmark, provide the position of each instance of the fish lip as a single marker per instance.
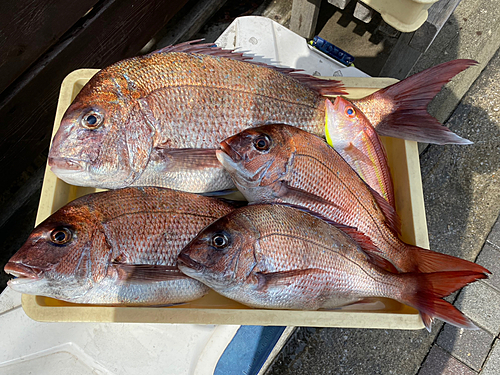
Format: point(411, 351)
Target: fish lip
point(22, 271)
point(65, 165)
point(185, 260)
point(233, 154)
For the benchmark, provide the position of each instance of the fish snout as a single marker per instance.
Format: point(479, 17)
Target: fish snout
point(64, 164)
point(184, 260)
point(20, 270)
point(229, 151)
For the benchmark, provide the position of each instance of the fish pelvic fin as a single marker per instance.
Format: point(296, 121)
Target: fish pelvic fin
point(428, 261)
point(425, 293)
point(402, 106)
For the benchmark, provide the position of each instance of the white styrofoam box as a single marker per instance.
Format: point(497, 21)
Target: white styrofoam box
point(42, 348)
point(269, 42)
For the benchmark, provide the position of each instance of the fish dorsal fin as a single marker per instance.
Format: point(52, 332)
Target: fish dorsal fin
point(321, 86)
point(392, 218)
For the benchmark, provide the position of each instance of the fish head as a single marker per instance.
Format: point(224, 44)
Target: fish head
point(259, 159)
point(222, 255)
point(344, 120)
point(63, 257)
point(104, 139)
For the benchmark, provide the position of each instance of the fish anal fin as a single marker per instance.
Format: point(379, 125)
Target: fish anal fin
point(146, 272)
point(392, 217)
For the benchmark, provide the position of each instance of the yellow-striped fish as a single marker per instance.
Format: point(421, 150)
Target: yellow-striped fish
point(352, 135)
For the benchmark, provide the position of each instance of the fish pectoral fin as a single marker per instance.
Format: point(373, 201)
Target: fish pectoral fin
point(283, 278)
point(225, 192)
point(181, 159)
point(147, 272)
point(371, 251)
point(286, 189)
point(356, 154)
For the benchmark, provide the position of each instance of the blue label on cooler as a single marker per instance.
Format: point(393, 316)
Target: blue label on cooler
point(332, 51)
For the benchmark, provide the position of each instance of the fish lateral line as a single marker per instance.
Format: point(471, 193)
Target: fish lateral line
point(381, 232)
point(228, 89)
point(330, 249)
point(152, 212)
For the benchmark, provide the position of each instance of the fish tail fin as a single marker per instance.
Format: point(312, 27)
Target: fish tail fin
point(404, 113)
point(429, 261)
point(425, 292)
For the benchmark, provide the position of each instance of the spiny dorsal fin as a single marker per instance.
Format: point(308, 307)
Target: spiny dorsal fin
point(321, 86)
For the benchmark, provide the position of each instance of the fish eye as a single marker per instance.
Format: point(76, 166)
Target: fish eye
point(92, 120)
point(220, 241)
point(350, 112)
point(61, 236)
point(262, 143)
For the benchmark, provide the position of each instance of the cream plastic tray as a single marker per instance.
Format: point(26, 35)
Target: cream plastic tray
point(215, 309)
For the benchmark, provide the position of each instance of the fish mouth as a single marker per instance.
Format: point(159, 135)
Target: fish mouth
point(186, 261)
point(226, 160)
point(23, 274)
point(336, 102)
point(64, 165)
point(229, 151)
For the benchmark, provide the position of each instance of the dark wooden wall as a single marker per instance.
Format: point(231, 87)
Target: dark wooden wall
point(41, 41)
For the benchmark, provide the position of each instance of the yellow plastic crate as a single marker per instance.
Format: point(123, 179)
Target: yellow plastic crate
point(216, 309)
